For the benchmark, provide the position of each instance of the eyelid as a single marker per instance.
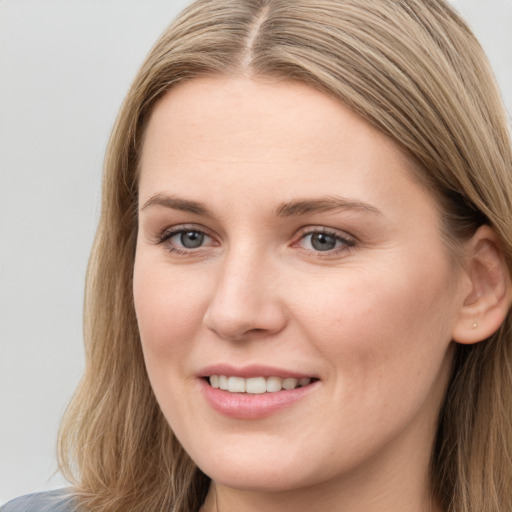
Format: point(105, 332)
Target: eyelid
point(164, 236)
point(307, 230)
point(348, 241)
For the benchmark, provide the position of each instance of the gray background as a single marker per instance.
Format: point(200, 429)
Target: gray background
point(64, 68)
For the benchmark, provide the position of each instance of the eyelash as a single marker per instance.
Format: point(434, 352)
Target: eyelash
point(343, 242)
point(168, 234)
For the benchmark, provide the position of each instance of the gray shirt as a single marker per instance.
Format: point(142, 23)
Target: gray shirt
point(60, 500)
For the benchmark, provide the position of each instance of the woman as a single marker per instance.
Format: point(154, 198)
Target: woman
point(299, 293)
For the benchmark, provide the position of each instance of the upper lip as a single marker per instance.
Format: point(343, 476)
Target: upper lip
point(253, 370)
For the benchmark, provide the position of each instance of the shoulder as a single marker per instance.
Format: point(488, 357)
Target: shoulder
point(60, 500)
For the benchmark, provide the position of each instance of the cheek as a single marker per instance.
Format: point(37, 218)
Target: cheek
point(169, 307)
point(392, 328)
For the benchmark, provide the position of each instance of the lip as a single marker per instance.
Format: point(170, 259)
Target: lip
point(252, 371)
point(247, 406)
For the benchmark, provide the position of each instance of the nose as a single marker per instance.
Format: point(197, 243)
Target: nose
point(246, 302)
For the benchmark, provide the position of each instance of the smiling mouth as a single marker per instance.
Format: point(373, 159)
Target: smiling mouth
point(256, 385)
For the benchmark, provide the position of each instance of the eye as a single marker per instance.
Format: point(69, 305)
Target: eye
point(325, 241)
point(188, 239)
point(183, 240)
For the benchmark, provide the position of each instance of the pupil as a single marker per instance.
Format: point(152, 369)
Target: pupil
point(323, 242)
point(191, 239)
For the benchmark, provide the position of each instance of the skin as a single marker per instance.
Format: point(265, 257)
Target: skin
point(372, 319)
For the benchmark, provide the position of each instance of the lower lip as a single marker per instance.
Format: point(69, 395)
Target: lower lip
point(247, 406)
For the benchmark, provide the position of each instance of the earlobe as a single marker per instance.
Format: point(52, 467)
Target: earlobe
point(488, 297)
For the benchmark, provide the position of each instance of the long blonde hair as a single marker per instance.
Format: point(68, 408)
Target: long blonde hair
point(413, 70)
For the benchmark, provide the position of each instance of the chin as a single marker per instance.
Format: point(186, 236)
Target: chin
point(261, 480)
point(263, 470)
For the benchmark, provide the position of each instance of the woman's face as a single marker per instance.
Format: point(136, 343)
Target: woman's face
point(282, 241)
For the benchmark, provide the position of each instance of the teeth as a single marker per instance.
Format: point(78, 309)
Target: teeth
point(223, 382)
point(236, 385)
point(256, 385)
point(274, 384)
point(289, 383)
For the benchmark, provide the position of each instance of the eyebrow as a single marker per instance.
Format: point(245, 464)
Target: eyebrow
point(323, 204)
point(177, 203)
point(295, 208)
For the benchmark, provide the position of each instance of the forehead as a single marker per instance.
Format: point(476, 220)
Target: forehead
point(265, 137)
point(260, 104)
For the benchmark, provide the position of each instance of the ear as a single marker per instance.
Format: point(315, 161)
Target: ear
point(487, 298)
